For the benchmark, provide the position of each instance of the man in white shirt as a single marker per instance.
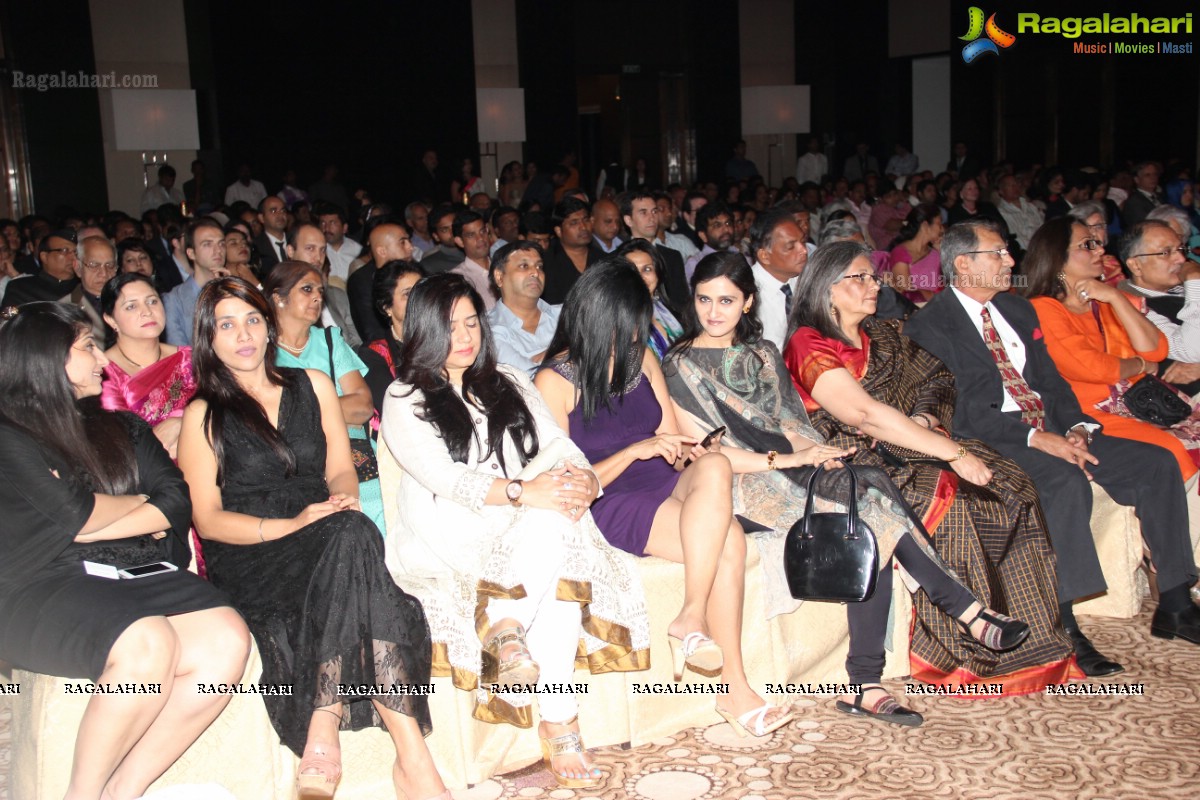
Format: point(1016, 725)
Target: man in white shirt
point(471, 235)
point(901, 163)
point(1012, 397)
point(1168, 286)
point(813, 166)
point(606, 224)
point(245, 189)
point(522, 323)
point(777, 246)
point(165, 191)
point(1023, 217)
point(341, 251)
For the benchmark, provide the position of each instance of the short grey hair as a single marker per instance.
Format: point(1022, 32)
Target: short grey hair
point(83, 243)
point(1082, 211)
point(1174, 216)
point(839, 230)
point(960, 239)
point(408, 210)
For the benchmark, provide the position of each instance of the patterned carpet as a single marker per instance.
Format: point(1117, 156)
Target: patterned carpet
point(1032, 748)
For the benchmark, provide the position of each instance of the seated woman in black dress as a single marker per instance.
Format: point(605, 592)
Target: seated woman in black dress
point(275, 496)
point(78, 484)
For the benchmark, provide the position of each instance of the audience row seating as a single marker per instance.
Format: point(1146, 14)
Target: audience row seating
point(241, 751)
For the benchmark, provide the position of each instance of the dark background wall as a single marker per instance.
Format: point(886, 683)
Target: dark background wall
point(367, 86)
point(66, 146)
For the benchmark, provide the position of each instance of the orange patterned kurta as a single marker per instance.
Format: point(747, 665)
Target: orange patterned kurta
point(1091, 362)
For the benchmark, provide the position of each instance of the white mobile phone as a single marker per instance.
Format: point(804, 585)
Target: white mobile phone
point(146, 570)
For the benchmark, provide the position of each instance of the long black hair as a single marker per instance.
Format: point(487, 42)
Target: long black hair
point(725, 264)
point(37, 397)
point(216, 385)
point(427, 343)
point(607, 315)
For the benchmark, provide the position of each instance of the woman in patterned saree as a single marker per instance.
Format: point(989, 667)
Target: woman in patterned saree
point(863, 382)
point(144, 376)
point(723, 373)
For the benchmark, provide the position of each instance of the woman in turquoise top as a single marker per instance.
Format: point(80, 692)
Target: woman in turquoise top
point(297, 290)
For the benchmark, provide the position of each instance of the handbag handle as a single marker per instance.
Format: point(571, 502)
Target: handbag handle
point(851, 504)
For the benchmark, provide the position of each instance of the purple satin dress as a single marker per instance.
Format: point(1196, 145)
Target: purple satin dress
point(626, 510)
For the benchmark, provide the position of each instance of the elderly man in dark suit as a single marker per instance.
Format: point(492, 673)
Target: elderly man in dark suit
point(1011, 396)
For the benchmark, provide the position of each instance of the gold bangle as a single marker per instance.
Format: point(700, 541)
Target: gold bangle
point(1141, 361)
point(962, 453)
point(771, 459)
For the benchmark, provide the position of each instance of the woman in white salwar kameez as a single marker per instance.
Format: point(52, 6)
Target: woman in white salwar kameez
point(513, 574)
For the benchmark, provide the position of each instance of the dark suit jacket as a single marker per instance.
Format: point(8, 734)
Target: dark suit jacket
point(969, 169)
point(943, 328)
point(362, 310)
point(678, 292)
point(1137, 206)
point(268, 255)
point(561, 273)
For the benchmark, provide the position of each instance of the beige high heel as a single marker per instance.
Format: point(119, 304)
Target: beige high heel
point(327, 760)
point(696, 652)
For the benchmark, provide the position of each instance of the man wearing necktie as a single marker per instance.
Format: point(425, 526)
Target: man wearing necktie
point(777, 245)
point(1011, 396)
point(271, 243)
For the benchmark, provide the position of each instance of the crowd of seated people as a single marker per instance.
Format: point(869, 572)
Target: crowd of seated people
point(545, 366)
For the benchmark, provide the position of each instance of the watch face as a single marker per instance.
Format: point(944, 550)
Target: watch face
point(513, 490)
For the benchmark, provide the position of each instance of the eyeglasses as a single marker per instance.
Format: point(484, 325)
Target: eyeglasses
point(1001, 252)
point(862, 278)
point(1163, 253)
point(62, 251)
point(100, 266)
point(1090, 245)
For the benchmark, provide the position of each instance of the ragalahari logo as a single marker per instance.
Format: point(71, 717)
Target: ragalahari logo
point(995, 40)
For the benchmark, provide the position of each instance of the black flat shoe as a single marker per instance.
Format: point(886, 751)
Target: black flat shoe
point(1093, 663)
point(887, 709)
point(1184, 624)
point(1000, 633)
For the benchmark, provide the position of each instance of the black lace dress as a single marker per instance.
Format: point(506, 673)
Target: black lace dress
point(320, 602)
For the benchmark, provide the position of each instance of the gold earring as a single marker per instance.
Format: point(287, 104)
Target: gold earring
point(745, 309)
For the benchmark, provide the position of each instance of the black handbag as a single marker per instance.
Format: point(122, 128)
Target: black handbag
point(1151, 399)
point(831, 556)
point(366, 465)
point(1154, 401)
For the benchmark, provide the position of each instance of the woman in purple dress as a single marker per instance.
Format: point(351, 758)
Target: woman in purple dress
point(608, 392)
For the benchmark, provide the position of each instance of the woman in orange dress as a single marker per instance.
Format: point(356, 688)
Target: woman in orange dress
point(1099, 341)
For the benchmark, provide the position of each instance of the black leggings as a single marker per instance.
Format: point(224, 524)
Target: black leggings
point(868, 620)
